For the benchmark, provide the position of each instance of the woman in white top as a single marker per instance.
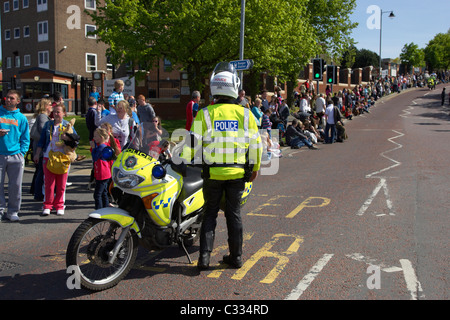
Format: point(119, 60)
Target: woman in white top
point(122, 125)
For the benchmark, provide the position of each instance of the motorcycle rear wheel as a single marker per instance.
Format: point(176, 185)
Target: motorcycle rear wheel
point(88, 249)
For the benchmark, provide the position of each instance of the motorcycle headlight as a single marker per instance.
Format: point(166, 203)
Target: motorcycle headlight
point(158, 171)
point(125, 180)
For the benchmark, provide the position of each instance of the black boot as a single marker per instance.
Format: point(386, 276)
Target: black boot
point(235, 262)
point(203, 260)
point(206, 246)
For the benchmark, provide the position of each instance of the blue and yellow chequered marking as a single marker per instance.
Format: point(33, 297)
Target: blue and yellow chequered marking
point(247, 190)
point(161, 203)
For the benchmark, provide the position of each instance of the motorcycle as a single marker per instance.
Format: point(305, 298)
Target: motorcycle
point(159, 204)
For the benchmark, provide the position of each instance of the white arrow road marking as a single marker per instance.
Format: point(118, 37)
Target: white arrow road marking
point(383, 183)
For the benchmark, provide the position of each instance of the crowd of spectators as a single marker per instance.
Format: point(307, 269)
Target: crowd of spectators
point(111, 124)
point(320, 117)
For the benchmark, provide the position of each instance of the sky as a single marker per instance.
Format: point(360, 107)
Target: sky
point(416, 21)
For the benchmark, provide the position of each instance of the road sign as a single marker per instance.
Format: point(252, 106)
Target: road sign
point(242, 64)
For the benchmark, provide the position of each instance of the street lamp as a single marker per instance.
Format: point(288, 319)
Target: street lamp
point(241, 44)
point(391, 15)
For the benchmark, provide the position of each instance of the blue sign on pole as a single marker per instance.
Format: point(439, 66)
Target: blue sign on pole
point(242, 64)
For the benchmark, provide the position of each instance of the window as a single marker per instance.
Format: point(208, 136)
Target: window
point(25, 3)
point(26, 31)
point(89, 4)
point(41, 5)
point(8, 63)
point(6, 6)
point(17, 62)
point(27, 60)
point(7, 34)
point(109, 65)
point(43, 59)
point(167, 65)
point(15, 5)
point(90, 28)
point(16, 33)
point(43, 31)
point(91, 62)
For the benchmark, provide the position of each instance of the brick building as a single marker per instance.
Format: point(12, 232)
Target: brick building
point(46, 47)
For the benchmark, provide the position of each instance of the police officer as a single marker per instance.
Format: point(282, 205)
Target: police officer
point(231, 156)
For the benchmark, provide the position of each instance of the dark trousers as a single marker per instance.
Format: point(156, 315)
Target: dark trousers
point(38, 181)
point(330, 128)
point(232, 190)
point(300, 142)
point(101, 194)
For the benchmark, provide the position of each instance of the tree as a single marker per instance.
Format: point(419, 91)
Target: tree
point(437, 52)
point(366, 58)
point(348, 58)
point(332, 26)
point(185, 32)
point(412, 56)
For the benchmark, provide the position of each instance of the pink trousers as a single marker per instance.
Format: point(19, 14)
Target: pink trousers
point(55, 187)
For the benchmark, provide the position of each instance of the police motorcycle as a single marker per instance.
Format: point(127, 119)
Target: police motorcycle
point(159, 204)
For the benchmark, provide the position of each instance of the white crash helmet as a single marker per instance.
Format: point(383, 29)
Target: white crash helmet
point(225, 81)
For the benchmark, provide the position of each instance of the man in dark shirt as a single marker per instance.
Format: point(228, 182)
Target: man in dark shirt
point(91, 114)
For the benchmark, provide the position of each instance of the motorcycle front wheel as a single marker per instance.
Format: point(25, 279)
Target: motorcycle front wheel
point(89, 248)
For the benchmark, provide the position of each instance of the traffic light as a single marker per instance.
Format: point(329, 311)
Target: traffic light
point(317, 69)
point(331, 74)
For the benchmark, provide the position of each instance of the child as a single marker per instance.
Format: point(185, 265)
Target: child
point(348, 113)
point(159, 150)
point(102, 169)
point(112, 141)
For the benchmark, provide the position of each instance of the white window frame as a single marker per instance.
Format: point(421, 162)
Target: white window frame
point(42, 5)
point(91, 36)
point(16, 5)
point(6, 7)
point(45, 56)
point(44, 35)
point(8, 63)
point(16, 33)
point(27, 60)
point(109, 65)
point(25, 33)
point(8, 34)
point(17, 62)
point(25, 4)
point(88, 69)
point(88, 7)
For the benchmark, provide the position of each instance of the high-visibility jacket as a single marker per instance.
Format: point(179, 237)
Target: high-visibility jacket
point(228, 135)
